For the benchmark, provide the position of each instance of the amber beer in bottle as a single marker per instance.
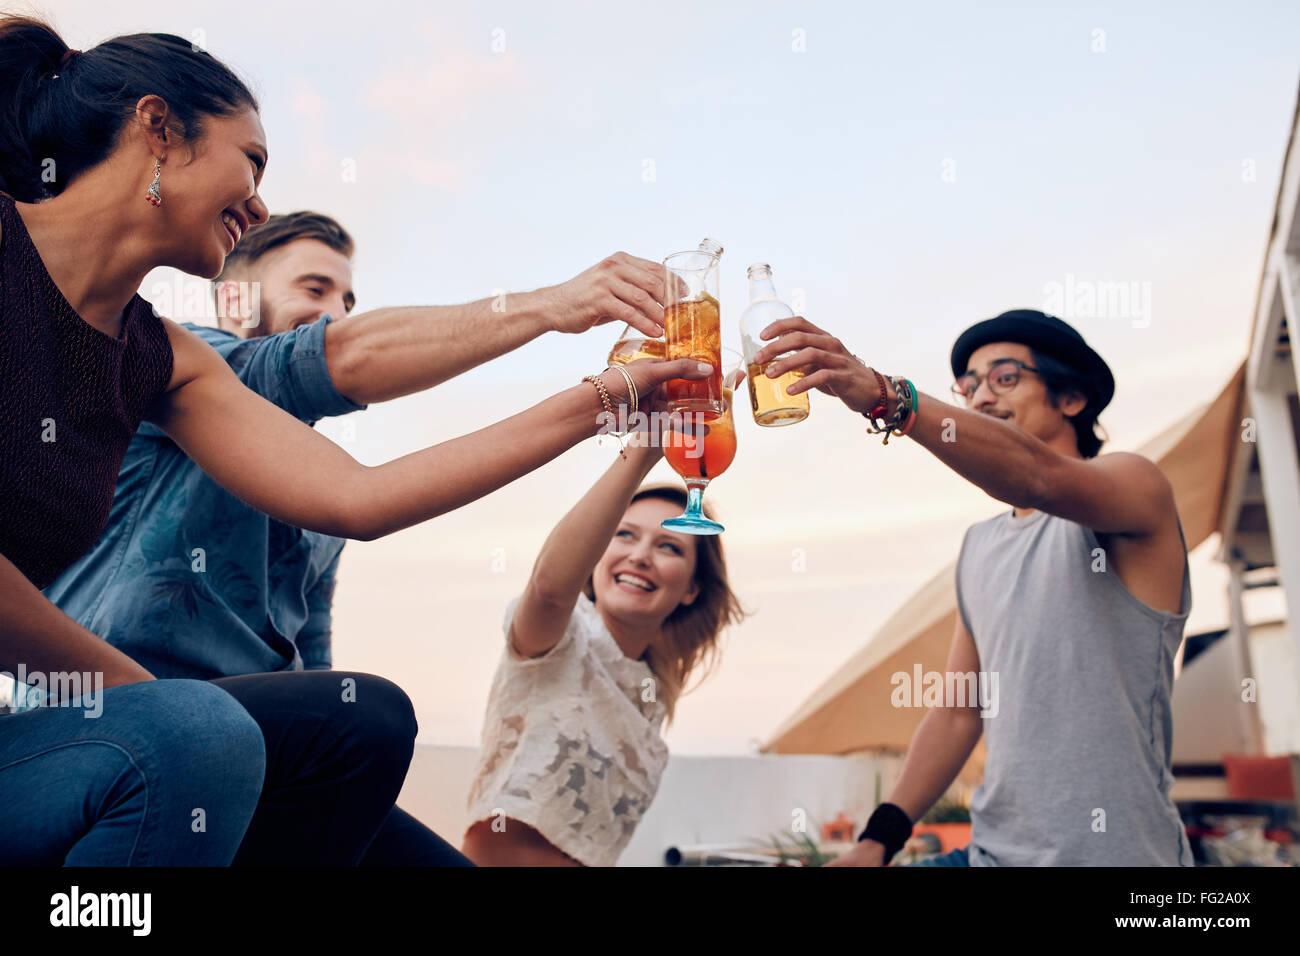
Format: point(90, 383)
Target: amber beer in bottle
point(771, 405)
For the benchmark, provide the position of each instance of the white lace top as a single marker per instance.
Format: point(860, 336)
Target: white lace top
point(569, 745)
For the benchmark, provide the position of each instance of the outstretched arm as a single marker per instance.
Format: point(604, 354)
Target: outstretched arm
point(386, 353)
point(284, 468)
point(1119, 493)
point(572, 549)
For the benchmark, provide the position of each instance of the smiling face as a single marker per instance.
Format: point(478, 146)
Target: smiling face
point(1027, 405)
point(298, 283)
point(210, 192)
point(647, 571)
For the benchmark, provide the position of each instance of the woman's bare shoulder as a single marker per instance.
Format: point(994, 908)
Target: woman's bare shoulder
point(193, 360)
point(191, 356)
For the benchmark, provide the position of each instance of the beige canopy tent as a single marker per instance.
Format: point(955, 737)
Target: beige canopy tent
point(1235, 469)
point(851, 712)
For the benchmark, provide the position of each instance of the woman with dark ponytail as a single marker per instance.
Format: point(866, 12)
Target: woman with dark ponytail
point(144, 152)
point(170, 772)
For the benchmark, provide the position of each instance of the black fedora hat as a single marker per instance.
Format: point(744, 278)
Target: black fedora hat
point(1045, 334)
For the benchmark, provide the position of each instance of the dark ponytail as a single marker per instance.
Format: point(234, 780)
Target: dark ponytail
point(58, 119)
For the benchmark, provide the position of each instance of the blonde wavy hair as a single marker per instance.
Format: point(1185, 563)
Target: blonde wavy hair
point(690, 642)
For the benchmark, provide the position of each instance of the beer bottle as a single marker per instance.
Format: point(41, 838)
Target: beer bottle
point(772, 406)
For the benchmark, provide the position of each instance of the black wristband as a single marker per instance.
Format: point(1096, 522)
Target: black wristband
point(888, 826)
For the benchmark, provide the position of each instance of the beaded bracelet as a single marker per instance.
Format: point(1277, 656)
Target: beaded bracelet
point(604, 398)
point(882, 406)
point(904, 409)
point(876, 417)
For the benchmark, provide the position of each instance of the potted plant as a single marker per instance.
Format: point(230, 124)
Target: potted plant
point(803, 851)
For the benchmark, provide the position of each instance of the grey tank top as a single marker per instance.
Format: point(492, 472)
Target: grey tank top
point(1079, 739)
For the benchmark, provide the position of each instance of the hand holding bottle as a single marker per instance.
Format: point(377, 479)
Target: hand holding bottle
point(772, 402)
point(822, 361)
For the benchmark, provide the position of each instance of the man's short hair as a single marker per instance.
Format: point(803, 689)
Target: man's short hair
point(279, 230)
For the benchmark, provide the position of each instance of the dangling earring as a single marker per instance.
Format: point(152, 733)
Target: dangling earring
point(154, 195)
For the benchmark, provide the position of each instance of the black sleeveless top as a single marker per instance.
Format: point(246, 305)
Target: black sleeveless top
point(71, 397)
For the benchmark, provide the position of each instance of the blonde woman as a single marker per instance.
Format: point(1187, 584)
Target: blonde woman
point(619, 613)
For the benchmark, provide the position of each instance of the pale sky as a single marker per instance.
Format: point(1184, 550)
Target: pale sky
point(906, 169)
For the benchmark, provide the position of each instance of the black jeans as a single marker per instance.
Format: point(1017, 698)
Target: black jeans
point(338, 745)
point(405, 841)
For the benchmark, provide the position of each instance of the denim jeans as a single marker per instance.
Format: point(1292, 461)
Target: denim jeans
point(297, 768)
point(958, 857)
point(168, 774)
point(403, 840)
point(338, 745)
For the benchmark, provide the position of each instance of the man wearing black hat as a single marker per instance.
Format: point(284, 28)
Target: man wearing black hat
point(1075, 598)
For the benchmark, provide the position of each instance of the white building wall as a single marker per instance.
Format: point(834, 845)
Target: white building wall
point(1274, 659)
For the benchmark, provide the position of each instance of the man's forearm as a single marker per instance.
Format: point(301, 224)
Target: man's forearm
point(939, 750)
point(1007, 462)
point(387, 353)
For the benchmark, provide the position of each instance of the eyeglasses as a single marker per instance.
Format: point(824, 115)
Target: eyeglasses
point(1002, 378)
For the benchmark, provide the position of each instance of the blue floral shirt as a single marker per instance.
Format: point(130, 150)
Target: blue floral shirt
point(190, 581)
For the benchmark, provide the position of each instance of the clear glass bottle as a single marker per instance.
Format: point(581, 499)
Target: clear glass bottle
point(767, 396)
point(710, 247)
